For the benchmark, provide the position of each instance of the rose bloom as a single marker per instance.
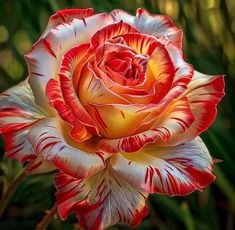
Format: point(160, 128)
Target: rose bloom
point(112, 105)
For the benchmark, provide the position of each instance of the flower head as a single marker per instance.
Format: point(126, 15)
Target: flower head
point(111, 103)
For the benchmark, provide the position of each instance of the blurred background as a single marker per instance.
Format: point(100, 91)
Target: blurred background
point(209, 44)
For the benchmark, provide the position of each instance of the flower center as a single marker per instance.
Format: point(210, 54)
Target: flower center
point(121, 64)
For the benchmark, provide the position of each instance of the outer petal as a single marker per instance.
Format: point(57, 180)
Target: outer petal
point(45, 57)
point(67, 15)
point(156, 25)
point(120, 15)
point(175, 170)
point(100, 201)
point(47, 139)
point(204, 93)
point(39, 165)
point(18, 114)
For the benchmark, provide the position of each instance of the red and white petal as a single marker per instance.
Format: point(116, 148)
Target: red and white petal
point(48, 139)
point(175, 119)
point(158, 26)
point(173, 170)
point(54, 94)
point(119, 120)
point(69, 77)
point(67, 15)
point(17, 105)
point(45, 57)
point(129, 144)
point(39, 165)
point(204, 93)
point(112, 31)
point(100, 201)
point(183, 72)
point(120, 15)
point(17, 145)
point(18, 113)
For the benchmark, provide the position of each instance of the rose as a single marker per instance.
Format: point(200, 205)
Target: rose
point(113, 105)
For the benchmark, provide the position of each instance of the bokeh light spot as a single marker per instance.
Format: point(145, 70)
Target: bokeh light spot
point(3, 34)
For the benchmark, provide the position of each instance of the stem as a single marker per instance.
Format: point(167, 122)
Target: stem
point(46, 220)
point(10, 191)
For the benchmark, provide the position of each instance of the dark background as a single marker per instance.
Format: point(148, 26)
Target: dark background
point(209, 44)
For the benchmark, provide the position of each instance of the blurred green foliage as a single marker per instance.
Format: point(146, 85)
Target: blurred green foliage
point(209, 44)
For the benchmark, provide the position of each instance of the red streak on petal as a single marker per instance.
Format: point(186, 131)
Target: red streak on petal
point(49, 47)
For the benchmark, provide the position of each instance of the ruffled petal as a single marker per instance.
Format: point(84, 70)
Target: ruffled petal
point(160, 66)
point(18, 114)
point(45, 57)
point(174, 120)
point(100, 201)
point(158, 26)
point(39, 165)
point(183, 72)
point(111, 31)
point(177, 170)
point(66, 15)
point(69, 76)
point(64, 99)
point(155, 25)
point(204, 93)
point(49, 140)
point(120, 15)
point(129, 144)
point(118, 120)
point(54, 94)
point(92, 90)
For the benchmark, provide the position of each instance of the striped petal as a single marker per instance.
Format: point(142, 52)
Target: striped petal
point(100, 201)
point(204, 93)
point(39, 165)
point(174, 120)
point(92, 90)
point(120, 15)
point(69, 76)
point(18, 114)
point(117, 120)
point(78, 130)
point(45, 57)
point(111, 31)
point(160, 66)
point(183, 72)
point(155, 25)
point(169, 170)
point(159, 26)
point(49, 139)
point(67, 15)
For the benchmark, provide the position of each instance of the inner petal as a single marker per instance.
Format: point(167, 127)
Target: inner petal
point(121, 63)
